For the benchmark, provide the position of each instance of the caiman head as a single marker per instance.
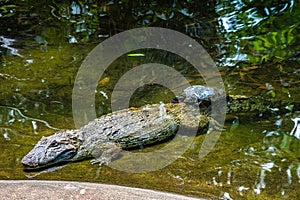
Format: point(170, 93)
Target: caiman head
point(54, 149)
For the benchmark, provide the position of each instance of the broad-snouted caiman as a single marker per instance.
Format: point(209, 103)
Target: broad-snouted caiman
point(104, 137)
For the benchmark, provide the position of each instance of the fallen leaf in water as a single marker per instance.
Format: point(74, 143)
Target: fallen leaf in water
point(104, 81)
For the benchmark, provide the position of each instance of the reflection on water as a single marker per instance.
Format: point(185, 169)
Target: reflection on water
point(266, 29)
point(296, 130)
point(7, 43)
point(15, 114)
point(265, 166)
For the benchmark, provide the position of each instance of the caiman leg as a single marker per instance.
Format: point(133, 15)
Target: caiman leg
point(105, 152)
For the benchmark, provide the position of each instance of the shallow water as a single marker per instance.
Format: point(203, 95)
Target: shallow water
point(254, 158)
point(249, 160)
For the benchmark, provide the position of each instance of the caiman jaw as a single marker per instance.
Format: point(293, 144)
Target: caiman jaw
point(30, 163)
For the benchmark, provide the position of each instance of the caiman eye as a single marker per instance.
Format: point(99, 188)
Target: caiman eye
point(54, 144)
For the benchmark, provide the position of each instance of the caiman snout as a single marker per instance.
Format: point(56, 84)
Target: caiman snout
point(27, 162)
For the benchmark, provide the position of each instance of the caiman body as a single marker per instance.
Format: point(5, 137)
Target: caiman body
point(104, 137)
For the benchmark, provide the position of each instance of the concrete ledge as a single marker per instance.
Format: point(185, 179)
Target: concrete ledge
point(33, 189)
